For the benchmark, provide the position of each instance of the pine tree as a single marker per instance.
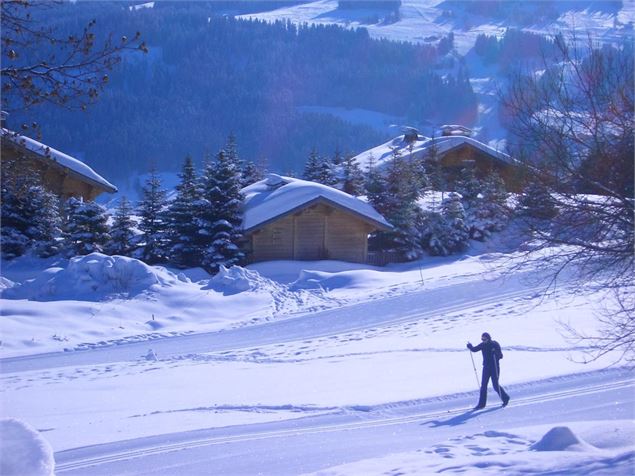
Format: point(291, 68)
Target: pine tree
point(319, 169)
point(17, 216)
point(455, 234)
point(221, 218)
point(183, 220)
point(468, 185)
point(536, 202)
point(153, 224)
point(122, 230)
point(30, 214)
point(396, 198)
point(352, 177)
point(87, 229)
point(489, 212)
point(312, 167)
point(251, 173)
point(49, 224)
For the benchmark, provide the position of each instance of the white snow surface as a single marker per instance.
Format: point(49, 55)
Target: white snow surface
point(23, 450)
point(382, 154)
point(55, 155)
point(276, 196)
point(358, 351)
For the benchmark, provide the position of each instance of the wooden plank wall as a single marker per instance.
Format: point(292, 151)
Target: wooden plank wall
point(317, 232)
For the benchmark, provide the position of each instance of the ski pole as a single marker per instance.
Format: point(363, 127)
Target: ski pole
point(475, 372)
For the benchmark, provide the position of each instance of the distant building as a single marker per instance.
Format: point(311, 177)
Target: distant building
point(291, 219)
point(61, 174)
point(454, 148)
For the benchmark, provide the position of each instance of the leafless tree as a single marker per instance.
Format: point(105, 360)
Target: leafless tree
point(39, 65)
point(571, 123)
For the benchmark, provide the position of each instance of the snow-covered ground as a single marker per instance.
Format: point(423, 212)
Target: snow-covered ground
point(108, 351)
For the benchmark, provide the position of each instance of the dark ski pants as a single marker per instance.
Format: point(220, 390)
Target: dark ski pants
point(493, 373)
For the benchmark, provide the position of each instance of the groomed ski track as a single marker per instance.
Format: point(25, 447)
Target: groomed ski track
point(349, 434)
point(403, 308)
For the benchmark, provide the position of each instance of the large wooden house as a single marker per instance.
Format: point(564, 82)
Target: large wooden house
point(61, 174)
point(291, 219)
point(454, 149)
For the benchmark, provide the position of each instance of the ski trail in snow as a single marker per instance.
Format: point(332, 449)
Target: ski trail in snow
point(330, 323)
point(381, 421)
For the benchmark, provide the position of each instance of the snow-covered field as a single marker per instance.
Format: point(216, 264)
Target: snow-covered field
point(108, 351)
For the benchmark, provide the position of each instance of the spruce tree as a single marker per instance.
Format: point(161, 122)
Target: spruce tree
point(49, 225)
point(352, 177)
point(86, 229)
point(221, 218)
point(121, 233)
point(396, 198)
point(536, 202)
point(183, 220)
point(312, 167)
point(455, 234)
point(251, 173)
point(30, 214)
point(16, 219)
point(489, 212)
point(153, 223)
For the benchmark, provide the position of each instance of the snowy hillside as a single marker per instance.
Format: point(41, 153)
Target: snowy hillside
point(428, 21)
point(425, 21)
point(280, 360)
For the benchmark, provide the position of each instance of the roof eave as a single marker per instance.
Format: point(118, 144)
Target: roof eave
point(380, 226)
point(50, 161)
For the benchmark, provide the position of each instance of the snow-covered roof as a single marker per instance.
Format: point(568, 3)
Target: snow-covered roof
point(48, 153)
point(276, 196)
point(383, 153)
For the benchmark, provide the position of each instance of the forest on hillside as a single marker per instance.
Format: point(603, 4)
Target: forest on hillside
point(208, 75)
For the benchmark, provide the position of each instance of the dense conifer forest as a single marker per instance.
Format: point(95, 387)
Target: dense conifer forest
point(207, 75)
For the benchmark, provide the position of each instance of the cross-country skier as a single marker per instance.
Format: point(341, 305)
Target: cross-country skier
point(492, 353)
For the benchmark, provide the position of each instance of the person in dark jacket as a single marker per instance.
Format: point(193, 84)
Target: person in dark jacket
point(492, 353)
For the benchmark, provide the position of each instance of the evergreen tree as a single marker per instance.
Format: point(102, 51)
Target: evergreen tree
point(183, 220)
point(312, 167)
point(122, 230)
point(536, 202)
point(48, 225)
point(319, 169)
point(396, 198)
point(87, 229)
point(16, 215)
point(489, 212)
point(352, 177)
point(221, 218)
point(251, 173)
point(30, 214)
point(153, 220)
point(431, 226)
point(455, 234)
point(468, 185)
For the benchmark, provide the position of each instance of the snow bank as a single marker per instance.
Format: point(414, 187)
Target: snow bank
point(236, 280)
point(24, 452)
point(561, 438)
point(93, 277)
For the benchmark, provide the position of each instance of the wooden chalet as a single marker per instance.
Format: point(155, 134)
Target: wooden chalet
point(62, 174)
point(454, 149)
point(292, 219)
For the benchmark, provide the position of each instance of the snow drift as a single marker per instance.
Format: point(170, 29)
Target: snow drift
point(93, 277)
point(24, 451)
